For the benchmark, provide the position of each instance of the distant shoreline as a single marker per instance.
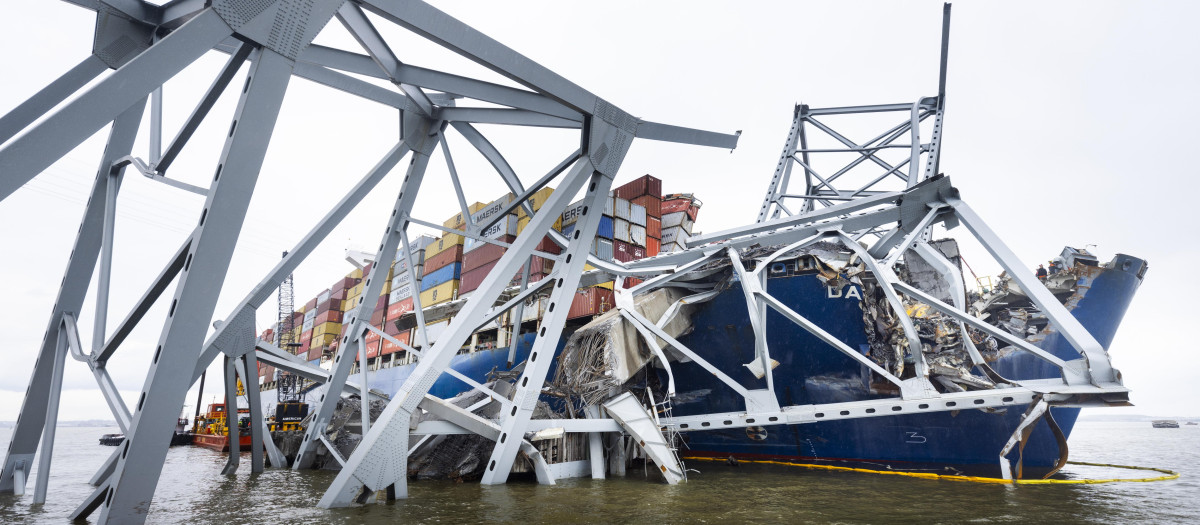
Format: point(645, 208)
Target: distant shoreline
point(80, 423)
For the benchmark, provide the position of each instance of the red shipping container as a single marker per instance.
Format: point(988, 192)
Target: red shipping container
point(444, 258)
point(653, 246)
point(625, 252)
point(343, 284)
point(484, 253)
point(329, 304)
point(654, 227)
point(630, 282)
point(378, 316)
point(644, 185)
point(371, 337)
point(549, 246)
point(315, 353)
point(471, 280)
point(389, 347)
point(306, 336)
point(303, 348)
point(395, 311)
point(372, 350)
point(590, 301)
point(331, 316)
point(652, 204)
point(674, 205)
point(389, 328)
point(339, 295)
point(310, 304)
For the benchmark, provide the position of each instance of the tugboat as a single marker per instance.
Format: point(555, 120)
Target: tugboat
point(210, 431)
point(181, 436)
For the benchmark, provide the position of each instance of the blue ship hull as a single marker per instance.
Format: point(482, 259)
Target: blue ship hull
point(811, 372)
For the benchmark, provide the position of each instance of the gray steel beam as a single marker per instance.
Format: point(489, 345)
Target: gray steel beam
point(29, 154)
point(170, 373)
point(263, 290)
point(351, 85)
point(486, 91)
point(47, 448)
point(356, 22)
point(509, 117)
point(1099, 366)
point(201, 110)
point(232, 428)
point(341, 60)
point(258, 437)
point(44, 100)
point(681, 135)
point(71, 294)
point(422, 139)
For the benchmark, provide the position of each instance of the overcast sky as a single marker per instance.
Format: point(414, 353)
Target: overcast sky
point(1066, 124)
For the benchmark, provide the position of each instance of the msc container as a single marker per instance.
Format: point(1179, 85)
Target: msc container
point(440, 293)
point(620, 230)
point(605, 231)
point(652, 204)
point(400, 293)
point(625, 252)
point(637, 235)
point(443, 259)
point(440, 276)
point(654, 227)
point(446, 242)
point(603, 249)
point(644, 185)
point(590, 301)
point(620, 208)
point(637, 214)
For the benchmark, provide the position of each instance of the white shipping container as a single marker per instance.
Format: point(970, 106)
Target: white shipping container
point(534, 309)
point(400, 293)
point(492, 209)
point(323, 296)
point(675, 234)
point(308, 325)
point(603, 248)
point(637, 214)
point(678, 218)
point(505, 226)
point(637, 235)
point(621, 230)
point(310, 315)
point(572, 213)
point(432, 331)
point(608, 205)
point(621, 208)
point(672, 247)
point(420, 243)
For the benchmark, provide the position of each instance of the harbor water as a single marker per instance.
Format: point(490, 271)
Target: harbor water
point(193, 491)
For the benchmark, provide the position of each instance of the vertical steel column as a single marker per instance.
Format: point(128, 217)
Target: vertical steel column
point(43, 477)
point(71, 294)
point(232, 428)
point(258, 429)
point(132, 484)
point(779, 181)
point(534, 375)
point(422, 143)
point(365, 402)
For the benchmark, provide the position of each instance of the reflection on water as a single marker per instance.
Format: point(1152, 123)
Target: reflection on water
point(193, 491)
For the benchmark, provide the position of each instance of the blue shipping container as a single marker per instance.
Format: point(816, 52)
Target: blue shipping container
point(441, 275)
point(605, 231)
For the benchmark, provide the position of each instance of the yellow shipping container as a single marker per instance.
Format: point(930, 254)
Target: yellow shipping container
point(356, 274)
point(327, 328)
point(441, 293)
point(447, 242)
point(521, 223)
point(607, 285)
point(537, 200)
point(457, 221)
point(323, 340)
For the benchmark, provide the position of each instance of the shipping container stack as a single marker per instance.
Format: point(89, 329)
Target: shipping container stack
point(679, 212)
point(400, 300)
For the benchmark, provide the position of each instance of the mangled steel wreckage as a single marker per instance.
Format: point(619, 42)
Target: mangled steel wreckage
point(831, 330)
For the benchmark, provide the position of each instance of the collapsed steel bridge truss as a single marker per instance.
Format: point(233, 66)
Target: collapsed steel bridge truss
point(145, 45)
